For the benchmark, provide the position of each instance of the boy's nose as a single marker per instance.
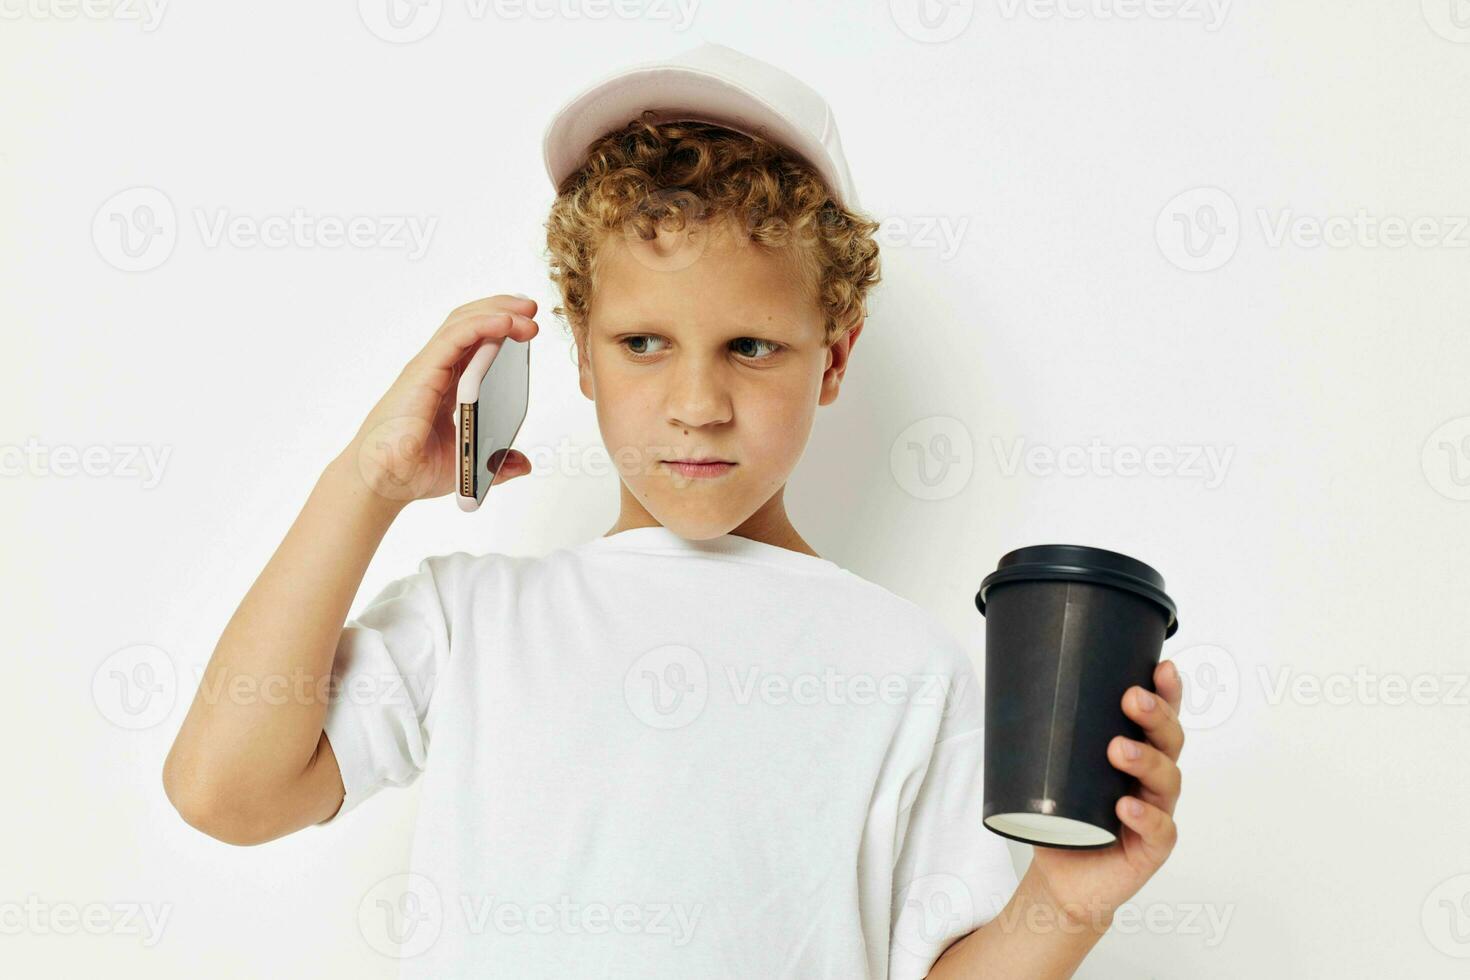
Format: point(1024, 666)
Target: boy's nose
point(696, 397)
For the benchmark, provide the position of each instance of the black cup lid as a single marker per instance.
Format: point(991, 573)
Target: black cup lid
point(1080, 563)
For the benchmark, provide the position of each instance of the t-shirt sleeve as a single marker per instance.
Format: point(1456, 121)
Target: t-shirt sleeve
point(388, 658)
point(951, 875)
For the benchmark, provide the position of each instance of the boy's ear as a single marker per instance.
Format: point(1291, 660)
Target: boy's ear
point(584, 367)
point(837, 358)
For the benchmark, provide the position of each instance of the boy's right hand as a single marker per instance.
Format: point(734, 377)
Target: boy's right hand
point(407, 448)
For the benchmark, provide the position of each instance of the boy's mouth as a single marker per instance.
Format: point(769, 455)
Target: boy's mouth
point(701, 466)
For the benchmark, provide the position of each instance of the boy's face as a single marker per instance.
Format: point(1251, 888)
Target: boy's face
point(702, 344)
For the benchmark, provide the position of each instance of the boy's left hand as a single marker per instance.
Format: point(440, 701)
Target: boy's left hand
point(1090, 885)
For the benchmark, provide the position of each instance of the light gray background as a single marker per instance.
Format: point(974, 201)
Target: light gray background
point(1028, 162)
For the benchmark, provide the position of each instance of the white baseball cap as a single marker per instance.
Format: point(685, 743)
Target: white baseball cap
point(709, 83)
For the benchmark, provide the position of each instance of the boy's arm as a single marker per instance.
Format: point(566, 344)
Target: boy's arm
point(1030, 939)
point(253, 764)
point(251, 761)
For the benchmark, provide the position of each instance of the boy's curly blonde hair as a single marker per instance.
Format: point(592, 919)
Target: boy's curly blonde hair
point(646, 176)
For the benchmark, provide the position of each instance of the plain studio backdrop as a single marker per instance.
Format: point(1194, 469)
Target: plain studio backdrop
point(1182, 279)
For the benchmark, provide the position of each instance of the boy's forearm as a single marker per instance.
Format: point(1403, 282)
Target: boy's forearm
point(1031, 938)
point(257, 716)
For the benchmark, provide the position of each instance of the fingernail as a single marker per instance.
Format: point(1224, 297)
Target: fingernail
point(520, 295)
point(1131, 750)
point(1146, 701)
point(1134, 808)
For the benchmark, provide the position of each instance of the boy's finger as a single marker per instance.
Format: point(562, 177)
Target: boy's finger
point(491, 306)
point(444, 349)
point(488, 306)
point(1159, 778)
point(455, 371)
point(1156, 830)
point(1158, 718)
point(455, 339)
point(1169, 684)
point(516, 464)
point(502, 303)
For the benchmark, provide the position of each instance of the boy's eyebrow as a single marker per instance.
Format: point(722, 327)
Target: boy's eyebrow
point(629, 322)
point(634, 323)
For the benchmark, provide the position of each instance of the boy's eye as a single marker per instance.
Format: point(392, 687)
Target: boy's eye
point(741, 342)
point(746, 347)
point(636, 338)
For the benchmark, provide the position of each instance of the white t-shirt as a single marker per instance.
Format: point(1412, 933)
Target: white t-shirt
point(655, 757)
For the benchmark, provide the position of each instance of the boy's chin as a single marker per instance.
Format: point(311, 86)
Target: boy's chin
point(696, 524)
point(700, 530)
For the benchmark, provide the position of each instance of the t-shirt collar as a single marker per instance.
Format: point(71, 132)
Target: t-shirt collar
point(659, 539)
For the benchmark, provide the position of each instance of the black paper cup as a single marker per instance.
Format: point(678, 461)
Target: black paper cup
point(1068, 629)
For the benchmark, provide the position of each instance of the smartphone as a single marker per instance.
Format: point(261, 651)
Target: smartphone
point(494, 391)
